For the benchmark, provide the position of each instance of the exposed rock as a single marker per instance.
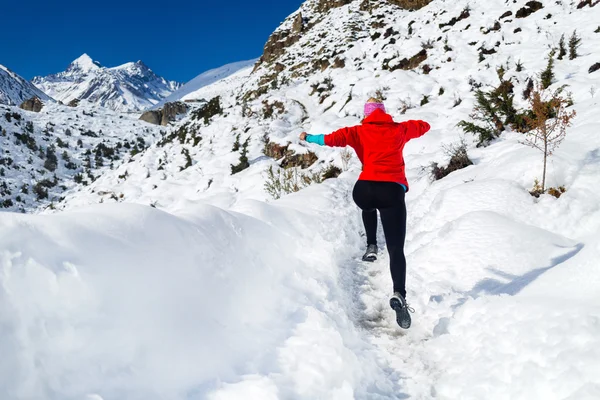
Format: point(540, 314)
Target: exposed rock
point(34, 104)
point(339, 63)
point(530, 8)
point(406, 63)
point(506, 14)
point(463, 15)
point(326, 5)
point(73, 103)
point(152, 117)
point(594, 68)
point(410, 4)
point(298, 24)
point(276, 45)
point(168, 113)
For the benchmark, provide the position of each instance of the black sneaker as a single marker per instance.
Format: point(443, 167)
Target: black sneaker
point(403, 310)
point(371, 253)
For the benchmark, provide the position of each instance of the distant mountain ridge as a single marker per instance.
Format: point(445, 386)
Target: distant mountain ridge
point(130, 87)
point(14, 89)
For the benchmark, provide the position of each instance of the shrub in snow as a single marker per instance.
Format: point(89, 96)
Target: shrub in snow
point(547, 76)
point(549, 122)
point(51, 160)
point(562, 50)
point(574, 44)
point(331, 172)
point(188, 159)
point(494, 110)
point(459, 159)
point(280, 182)
point(244, 163)
point(40, 191)
point(208, 110)
point(270, 108)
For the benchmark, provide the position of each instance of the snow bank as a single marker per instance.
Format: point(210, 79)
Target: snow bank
point(126, 301)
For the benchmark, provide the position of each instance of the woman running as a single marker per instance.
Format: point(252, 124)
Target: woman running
point(382, 185)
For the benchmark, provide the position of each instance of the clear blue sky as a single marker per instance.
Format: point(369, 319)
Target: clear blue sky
point(177, 39)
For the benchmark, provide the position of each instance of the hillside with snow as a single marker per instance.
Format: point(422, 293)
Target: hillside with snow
point(130, 87)
point(14, 89)
point(234, 71)
point(59, 149)
point(221, 261)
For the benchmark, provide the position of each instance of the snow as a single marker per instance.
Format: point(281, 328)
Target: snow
point(189, 91)
point(223, 293)
point(85, 63)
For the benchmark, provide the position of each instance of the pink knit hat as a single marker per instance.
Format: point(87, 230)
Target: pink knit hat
point(370, 107)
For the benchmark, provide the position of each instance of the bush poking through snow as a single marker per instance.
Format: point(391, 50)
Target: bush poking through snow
point(574, 44)
point(556, 192)
point(346, 155)
point(270, 108)
point(381, 93)
point(208, 110)
point(459, 159)
point(562, 50)
point(331, 172)
point(280, 182)
point(537, 190)
point(519, 66)
point(549, 122)
point(494, 110)
point(547, 75)
point(244, 163)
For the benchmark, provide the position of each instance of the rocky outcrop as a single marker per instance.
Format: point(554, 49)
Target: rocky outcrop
point(167, 114)
point(530, 8)
point(73, 103)
point(326, 5)
point(170, 111)
point(34, 104)
point(152, 117)
point(410, 4)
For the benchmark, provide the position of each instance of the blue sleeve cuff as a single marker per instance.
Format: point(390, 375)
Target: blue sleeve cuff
point(317, 139)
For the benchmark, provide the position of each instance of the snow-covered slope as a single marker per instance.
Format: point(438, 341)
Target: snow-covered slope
point(238, 70)
point(129, 87)
point(262, 298)
point(14, 90)
point(44, 154)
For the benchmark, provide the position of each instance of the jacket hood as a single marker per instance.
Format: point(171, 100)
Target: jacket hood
point(378, 117)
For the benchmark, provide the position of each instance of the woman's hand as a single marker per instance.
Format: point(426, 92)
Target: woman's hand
point(303, 136)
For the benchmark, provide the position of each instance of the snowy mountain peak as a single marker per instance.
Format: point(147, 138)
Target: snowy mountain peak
point(129, 87)
point(84, 63)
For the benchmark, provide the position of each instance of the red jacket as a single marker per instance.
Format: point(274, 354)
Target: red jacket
point(378, 143)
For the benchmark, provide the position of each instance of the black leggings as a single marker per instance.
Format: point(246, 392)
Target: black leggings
point(388, 198)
